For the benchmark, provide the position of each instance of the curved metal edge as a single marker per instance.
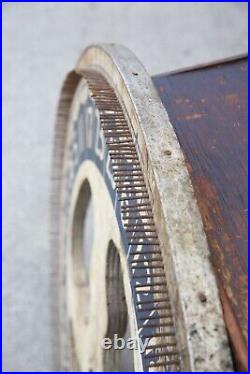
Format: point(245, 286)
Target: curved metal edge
point(192, 284)
point(61, 349)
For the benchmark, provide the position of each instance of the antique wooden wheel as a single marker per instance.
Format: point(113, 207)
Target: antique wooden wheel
point(130, 238)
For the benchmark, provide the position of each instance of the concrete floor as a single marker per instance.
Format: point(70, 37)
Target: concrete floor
point(41, 42)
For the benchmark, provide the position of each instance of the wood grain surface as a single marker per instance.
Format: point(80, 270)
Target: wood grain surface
point(207, 107)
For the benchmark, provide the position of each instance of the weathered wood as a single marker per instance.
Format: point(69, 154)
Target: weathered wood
point(207, 107)
point(120, 141)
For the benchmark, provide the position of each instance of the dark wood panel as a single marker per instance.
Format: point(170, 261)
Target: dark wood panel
point(207, 107)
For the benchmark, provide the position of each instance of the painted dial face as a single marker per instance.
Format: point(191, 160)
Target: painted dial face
point(111, 243)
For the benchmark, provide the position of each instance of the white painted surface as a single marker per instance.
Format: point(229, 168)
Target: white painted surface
point(41, 42)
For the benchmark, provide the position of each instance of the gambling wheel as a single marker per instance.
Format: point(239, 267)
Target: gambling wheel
point(132, 254)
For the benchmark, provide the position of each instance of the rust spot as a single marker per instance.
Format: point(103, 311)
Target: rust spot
point(206, 187)
point(237, 338)
point(231, 98)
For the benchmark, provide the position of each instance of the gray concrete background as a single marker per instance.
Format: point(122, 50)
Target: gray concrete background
point(41, 42)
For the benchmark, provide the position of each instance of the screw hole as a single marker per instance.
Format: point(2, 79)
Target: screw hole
point(202, 297)
point(167, 152)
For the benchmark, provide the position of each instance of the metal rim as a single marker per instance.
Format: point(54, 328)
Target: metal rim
point(192, 285)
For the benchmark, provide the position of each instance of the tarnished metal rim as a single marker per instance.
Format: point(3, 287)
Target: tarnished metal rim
point(192, 285)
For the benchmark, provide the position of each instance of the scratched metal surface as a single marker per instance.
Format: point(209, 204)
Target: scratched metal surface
point(208, 110)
